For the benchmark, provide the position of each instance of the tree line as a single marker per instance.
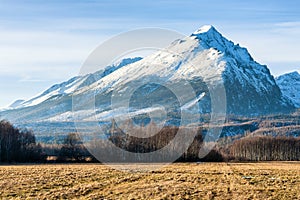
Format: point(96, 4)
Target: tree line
point(248, 148)
point(266, 148)
point(20, 146)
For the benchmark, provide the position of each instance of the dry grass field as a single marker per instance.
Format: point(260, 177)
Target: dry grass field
point(273, 180)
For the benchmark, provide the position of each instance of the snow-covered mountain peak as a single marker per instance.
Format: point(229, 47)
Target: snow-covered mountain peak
point(291, 75)
point(208, 37)
point(288, 77)
point(290, 86)
point(207, 33)
point(204, 29)
point(295, 73)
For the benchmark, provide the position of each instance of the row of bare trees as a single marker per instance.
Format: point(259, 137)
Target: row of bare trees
point(251, 148)
point(156, 142)
point(18, 146)
point(266, 148)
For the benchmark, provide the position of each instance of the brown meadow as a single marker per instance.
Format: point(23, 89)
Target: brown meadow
point(268, 180)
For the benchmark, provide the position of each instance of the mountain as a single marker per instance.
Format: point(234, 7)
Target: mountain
point(73, 84)
point(290, 86)
point(205, 60)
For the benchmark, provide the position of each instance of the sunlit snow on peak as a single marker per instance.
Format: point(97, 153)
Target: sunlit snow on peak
point(204, 29)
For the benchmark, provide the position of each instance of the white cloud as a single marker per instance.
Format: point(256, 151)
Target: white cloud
point(293, 24)
point(32, 51)
point(288, 28)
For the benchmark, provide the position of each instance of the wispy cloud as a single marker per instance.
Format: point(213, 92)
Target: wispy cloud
point(288, 28)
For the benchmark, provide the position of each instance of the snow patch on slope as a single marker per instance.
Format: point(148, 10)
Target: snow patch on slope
point(193, 102)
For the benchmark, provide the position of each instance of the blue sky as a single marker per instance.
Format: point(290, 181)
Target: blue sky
point(45, 42)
